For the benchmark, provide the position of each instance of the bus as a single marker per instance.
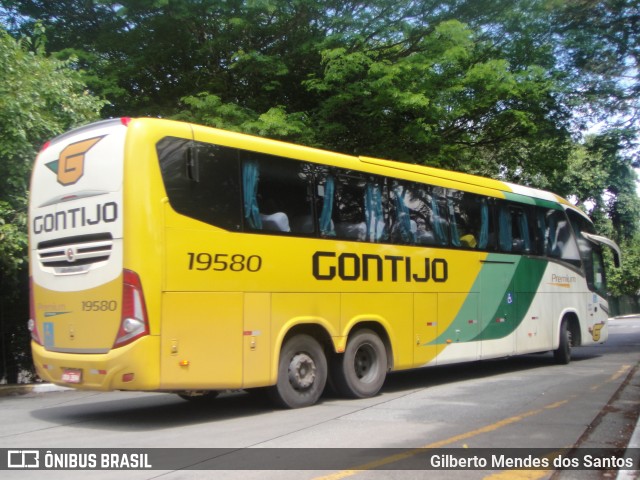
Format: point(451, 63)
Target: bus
point(172, 257)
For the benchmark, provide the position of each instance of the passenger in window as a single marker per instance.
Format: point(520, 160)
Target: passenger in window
point(468, 241)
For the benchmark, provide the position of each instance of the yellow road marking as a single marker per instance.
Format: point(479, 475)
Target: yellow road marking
point(621, 371)
point(511, 474)
point(518, 475)
point(415, 451)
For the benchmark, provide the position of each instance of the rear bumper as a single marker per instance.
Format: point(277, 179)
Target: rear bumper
point(132, 367)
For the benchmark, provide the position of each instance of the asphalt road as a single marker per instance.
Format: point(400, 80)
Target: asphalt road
point(523, 402)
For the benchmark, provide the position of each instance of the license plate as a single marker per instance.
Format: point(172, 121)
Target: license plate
point(71, 375)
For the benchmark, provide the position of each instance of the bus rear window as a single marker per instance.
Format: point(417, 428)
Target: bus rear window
point(202, 181)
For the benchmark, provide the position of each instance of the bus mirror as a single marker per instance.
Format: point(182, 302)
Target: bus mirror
point(192, 163)
point(599, 240)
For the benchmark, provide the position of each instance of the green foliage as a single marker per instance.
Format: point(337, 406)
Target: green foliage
point(495, 87)
point(39, 97)
point(451, 102)
point(626, 280)
point(602, 180)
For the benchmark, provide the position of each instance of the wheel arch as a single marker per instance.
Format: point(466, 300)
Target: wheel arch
point(573, 324)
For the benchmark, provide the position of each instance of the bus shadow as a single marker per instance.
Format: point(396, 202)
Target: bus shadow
point(158, 411)
point(446, 374)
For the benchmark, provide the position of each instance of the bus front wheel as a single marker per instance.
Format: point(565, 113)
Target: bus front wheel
point(302, 373)
point(562, 354)
point(362, 369)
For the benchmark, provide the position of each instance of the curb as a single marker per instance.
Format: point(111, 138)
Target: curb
point(23, 389)
point(634, 443)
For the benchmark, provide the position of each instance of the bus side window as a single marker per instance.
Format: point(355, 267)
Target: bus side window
point(469, 220)
point(406, 219)
point(357, 208)
point(277, 194)
point(212, 193)
point(561, 242)
point(523, 233)
point(515, 234)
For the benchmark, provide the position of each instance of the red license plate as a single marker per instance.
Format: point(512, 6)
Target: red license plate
point(71, 375)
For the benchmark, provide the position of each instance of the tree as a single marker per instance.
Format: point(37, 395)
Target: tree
point(39, 97)
point(602, 179)
point(503, 88)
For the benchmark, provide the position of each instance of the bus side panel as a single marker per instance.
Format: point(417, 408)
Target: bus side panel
point(201, 346)
point(425, 328)
point(394, 311)
point(257, 356)
point(458, 327)
point(534, 333)
point(498, 302)
point(597, 328)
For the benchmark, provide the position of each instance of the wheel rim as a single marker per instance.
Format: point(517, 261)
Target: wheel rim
point(302, 371)
point(365, 363)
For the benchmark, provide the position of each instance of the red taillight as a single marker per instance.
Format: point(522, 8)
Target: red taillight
point(45, 146)
point(32, 325)
point(134, 322)
point(125, 121)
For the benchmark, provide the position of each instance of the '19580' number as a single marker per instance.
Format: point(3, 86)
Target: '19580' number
point(99, 306)
point(224, 261)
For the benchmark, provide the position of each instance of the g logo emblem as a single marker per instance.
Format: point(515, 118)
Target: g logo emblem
point(70, 164)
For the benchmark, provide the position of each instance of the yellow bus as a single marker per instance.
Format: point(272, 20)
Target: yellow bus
point(166, 256)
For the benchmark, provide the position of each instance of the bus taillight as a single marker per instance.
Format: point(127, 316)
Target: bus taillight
point(134, 322)
point(32, 324)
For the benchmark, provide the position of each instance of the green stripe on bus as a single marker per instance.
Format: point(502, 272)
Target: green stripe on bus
point(498, 300)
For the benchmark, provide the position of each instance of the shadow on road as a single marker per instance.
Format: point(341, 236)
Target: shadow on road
point(149, 412)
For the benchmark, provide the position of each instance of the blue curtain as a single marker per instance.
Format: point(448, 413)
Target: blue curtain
point(484, 227)
point(250, 177)
point(437, 222)
point(373, 212)
point(403, 217)
point(326, 225)
point(524, 231)
point(506, 238)
point(453, 226)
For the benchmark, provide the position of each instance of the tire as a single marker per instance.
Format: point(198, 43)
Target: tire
point(198, 396)
point(562, 354)
point(362, 369)
point(302, 373)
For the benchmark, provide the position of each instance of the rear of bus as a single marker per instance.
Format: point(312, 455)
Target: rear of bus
point(88, 315)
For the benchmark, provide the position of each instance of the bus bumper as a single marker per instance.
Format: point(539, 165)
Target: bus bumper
point(127, 368)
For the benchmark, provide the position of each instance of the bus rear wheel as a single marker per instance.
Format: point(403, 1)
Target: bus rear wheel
point(302, 373)
point(362, 369)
